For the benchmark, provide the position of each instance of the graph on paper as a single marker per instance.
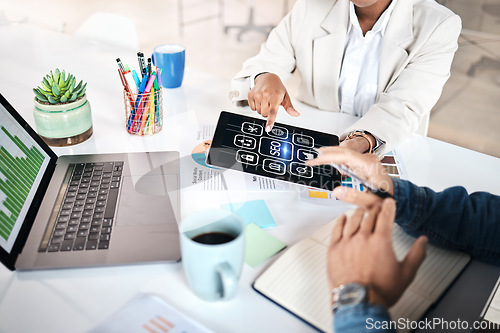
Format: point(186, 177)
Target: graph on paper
point(148, 313)
point(21, 161)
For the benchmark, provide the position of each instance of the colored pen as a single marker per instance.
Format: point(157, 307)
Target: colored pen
point(127, 88)
point(159, 74)
point(136, 79)
point(130, 81)
point(150, 83)
point(133, 115)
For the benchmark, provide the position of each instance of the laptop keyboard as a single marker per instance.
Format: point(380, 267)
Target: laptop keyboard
point(85, 218)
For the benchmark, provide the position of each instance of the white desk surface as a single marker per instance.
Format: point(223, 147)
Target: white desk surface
point(75, 300)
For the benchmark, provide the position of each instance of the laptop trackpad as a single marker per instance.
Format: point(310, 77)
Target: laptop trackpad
point(147, 201)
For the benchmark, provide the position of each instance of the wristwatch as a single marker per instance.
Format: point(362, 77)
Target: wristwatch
point(349, 294)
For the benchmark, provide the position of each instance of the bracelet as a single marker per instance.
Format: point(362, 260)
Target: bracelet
point(362, 134)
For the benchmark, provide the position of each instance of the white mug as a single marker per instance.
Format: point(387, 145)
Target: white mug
point(213, 252)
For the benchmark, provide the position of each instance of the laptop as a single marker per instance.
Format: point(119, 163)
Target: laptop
point(83, 210)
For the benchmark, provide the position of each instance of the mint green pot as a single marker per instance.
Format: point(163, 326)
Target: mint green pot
point(64, 124)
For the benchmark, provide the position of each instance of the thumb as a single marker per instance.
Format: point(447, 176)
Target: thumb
point(287, 105)
point(414, 259)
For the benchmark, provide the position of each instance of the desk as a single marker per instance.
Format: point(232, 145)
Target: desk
point(74, 300)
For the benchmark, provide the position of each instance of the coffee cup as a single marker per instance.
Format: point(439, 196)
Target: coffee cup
point(213, 252)
point(170, 58)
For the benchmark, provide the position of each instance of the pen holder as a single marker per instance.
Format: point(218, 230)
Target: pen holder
point(143, 112)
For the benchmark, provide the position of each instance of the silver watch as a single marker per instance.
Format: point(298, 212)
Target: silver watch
point(349, 294)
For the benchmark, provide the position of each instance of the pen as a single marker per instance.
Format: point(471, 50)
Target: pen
point(149, 66)
point(134, 114)
point(127, 88)
point(136, 78)
point(144, 104)
point(159, 74)
point(120, 64)
point(130, 80)
point(375, 190)
point(142, 64)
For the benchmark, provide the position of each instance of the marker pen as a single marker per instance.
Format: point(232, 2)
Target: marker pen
point(120, 64)
point(136, 78)
point(142, 64)
point(131, 82)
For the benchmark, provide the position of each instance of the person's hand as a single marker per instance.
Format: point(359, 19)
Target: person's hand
point(365, 166)
point(361, 251)
point(267, 95)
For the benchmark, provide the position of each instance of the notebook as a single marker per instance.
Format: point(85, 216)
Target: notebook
point(83, 210)
point(297, 280)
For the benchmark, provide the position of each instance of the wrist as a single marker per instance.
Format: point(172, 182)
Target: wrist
point(253, 78)
point(366, 141)
point(349, 294)
point(354, 293)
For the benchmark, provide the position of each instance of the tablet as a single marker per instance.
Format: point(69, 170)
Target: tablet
point(241, 143)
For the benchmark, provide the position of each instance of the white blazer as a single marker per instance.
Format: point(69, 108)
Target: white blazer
point(418, 48)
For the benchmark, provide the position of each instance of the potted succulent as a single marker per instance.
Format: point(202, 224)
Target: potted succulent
point(62, 113)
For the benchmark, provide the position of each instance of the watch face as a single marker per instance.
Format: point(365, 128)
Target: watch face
point(352, 293)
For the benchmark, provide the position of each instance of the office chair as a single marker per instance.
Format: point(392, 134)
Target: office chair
point(486, 62)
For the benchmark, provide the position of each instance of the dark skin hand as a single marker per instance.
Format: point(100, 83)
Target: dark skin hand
point(269, 94)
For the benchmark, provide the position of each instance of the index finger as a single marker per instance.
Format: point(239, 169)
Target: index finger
point(273, 113)
point(385, 218)
point(339, 155)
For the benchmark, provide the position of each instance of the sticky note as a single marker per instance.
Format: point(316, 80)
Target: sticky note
point(255, 211)
point(260, 245)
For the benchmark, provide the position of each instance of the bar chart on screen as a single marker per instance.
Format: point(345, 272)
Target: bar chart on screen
point(17, 175)
point(20, 165)
point(148, 313)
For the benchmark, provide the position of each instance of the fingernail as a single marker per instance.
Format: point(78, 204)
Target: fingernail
point(268, 128)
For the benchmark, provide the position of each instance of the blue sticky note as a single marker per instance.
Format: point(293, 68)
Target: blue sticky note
point(255, 211)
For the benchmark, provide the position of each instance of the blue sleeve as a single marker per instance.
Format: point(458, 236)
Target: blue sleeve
point(363, 318)
point(451, 218)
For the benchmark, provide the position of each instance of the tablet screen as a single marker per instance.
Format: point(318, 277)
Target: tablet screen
point(241, 143)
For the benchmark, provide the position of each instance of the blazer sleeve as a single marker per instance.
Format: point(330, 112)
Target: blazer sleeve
point(408, 99)
point(276, 55)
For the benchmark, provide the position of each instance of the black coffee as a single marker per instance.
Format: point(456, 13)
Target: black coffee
point(213, 238)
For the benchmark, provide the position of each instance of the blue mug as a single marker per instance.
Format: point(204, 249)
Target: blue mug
point(171, 59)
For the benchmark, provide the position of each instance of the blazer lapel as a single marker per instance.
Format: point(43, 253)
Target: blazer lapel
point(328, 49)
point(398, 34)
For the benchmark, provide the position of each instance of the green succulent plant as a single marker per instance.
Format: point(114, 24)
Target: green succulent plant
point(58, 88)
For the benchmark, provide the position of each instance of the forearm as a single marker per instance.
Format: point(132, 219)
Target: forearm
point(451, 218)
point(362, 318)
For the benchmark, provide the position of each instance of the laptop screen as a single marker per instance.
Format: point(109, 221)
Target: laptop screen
point(23, 163)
